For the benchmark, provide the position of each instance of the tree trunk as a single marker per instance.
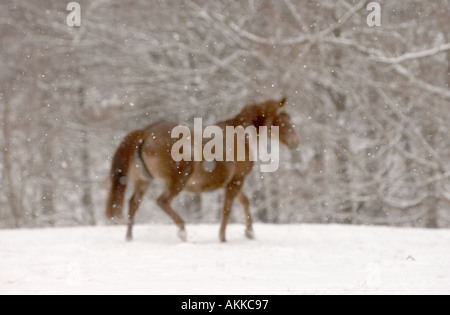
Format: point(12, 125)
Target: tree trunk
point(87, 202)
point(47, 191)
point(432, 216)
point(11, 196)
point(193, 207)
point(340, 102)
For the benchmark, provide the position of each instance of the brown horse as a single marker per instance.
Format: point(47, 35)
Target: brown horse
point(146, 154)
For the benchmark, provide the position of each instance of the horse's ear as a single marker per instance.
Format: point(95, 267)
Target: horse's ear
point(283, 102)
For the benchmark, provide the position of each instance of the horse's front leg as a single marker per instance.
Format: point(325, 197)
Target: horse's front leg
point(248, 216)
point(232, 190)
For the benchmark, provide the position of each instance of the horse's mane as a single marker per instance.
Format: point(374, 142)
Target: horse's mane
point(254, 115)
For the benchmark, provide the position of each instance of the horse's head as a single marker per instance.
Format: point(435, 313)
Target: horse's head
point(288, 136)
point(276, 116)
point(271, 113)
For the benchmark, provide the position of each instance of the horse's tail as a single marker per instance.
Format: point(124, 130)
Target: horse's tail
point(119, 172)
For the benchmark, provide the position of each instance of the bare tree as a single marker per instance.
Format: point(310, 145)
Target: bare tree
point(370, 103)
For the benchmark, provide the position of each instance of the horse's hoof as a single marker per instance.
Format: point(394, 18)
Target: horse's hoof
point(129, 238)
point(250, 234)
point(182, 235)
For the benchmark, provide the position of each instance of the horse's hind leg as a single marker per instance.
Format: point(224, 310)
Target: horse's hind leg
point(164, 202)
point(231, 192)
point(139, 192)
point(248, 217)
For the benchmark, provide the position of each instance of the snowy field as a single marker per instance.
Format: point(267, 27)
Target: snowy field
point(294, 259)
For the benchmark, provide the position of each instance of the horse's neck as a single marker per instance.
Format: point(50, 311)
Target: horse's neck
point(240, 120)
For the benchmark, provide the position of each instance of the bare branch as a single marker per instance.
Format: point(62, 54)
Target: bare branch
point(413, 55)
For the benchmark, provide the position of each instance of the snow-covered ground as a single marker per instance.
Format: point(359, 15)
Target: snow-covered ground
point(286, 259)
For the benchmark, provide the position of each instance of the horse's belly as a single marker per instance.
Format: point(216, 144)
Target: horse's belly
point(208, 176)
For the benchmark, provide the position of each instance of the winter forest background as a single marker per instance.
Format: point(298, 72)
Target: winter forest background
point(371, 104)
